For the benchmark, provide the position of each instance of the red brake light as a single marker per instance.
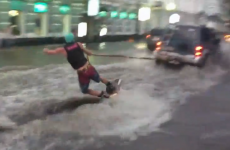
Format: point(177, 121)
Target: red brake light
point(227, 36)
point(198, 51)
point(198, 54)
point(198, 48)
point(159, 43)
point(158, 48)
point(148, 36)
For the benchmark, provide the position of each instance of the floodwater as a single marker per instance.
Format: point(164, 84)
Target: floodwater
point(36, 87)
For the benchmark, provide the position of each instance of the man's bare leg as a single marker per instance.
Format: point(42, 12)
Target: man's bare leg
point(97, 93)
point(93, 92)
point(105, 81)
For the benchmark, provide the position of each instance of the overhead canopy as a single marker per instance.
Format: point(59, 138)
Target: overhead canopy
point(17, 5)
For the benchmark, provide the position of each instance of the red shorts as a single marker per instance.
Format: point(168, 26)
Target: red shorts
point(84, 78)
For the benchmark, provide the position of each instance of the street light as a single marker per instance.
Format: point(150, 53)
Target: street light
point(174, 18)
point(93, 7)
point(103, 31)
point(171, 6)
point(82, 29)
point(13, 13)
point(144, 14)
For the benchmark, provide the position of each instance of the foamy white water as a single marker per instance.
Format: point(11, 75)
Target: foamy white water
point(147, 98)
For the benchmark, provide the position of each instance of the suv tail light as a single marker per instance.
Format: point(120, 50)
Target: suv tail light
point(198, 51)
point(158, 46)
point(148, 36)
point(158, 43)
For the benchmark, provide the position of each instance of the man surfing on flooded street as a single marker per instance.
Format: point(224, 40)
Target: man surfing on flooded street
point(74, 52)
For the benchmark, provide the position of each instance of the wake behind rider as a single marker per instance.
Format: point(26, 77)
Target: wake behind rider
point(74, 53)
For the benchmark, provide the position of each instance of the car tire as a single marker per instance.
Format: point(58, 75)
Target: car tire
point(151, 47)
point(158, 62)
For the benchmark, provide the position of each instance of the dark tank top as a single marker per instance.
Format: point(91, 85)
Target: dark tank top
point(75, 55)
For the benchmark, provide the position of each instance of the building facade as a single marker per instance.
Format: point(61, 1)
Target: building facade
point(193, 12)
point(41, 18)
point(56, 17)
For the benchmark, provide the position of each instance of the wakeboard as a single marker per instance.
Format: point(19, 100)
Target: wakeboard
point(116, 87)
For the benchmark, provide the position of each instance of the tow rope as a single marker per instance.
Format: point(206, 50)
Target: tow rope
point(123, 56)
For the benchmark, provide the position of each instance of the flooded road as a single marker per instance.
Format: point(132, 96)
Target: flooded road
point(33, 84)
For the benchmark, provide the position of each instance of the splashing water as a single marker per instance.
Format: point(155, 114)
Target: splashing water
point(144, 103)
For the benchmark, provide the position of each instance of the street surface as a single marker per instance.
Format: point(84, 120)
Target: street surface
point(158, 108)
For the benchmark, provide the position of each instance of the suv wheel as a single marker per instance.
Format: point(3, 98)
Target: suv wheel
point(158, 62)
point(151, 47)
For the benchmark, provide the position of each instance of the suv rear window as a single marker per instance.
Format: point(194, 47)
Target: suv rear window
point(183, 38)
point(191, 33)
point(157, 32)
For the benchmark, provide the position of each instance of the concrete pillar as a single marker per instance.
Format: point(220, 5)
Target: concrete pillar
point(90, 29)
point(66, 24)
point(143, 25)
point(137, 22)
point(21, 22)
point(165, 18)
point(44, 24)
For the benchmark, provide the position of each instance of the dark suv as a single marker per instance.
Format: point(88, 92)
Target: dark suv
point(188, 45)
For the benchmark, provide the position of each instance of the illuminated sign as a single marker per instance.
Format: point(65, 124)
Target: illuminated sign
point(123, 15)
point(102, 14)
point(144, 14)
point(132, 16)
point(40, 7)
point(114, 14)
point(93, 7)
point(64, 9)
point(44, 1)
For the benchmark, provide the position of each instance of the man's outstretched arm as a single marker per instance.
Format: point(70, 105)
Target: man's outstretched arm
point(59, 50)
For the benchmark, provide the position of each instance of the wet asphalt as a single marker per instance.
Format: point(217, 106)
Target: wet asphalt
point(201, 123)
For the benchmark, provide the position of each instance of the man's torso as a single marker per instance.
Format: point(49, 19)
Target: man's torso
point(75, 55)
